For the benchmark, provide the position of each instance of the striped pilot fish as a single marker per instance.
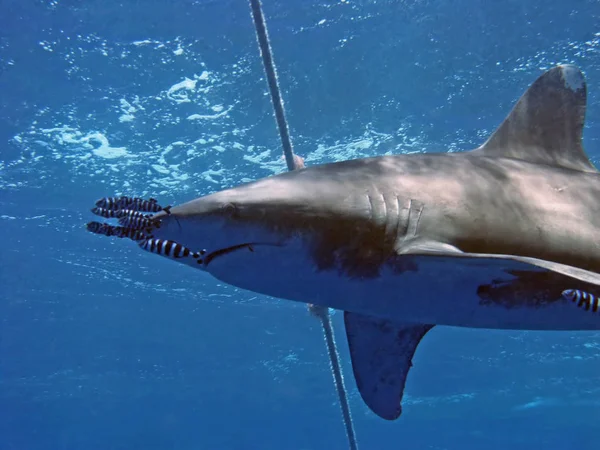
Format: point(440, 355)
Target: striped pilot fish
point(128, 217)
point(120, 232)
point(106, 213)
point(133, 203)
point(136, 219)
point(169, 249)
point(100, 228)
point(583, 299)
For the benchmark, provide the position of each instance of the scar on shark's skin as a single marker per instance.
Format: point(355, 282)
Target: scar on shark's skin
point(531, 289)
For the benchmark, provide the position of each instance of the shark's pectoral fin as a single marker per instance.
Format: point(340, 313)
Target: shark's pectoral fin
point(546, 124)
point(381, 353)
point(419, 246)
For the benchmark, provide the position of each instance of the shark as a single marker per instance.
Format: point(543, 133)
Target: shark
point(487, 238)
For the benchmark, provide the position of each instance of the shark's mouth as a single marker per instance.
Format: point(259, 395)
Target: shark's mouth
point(209, 257)
point(226, 251)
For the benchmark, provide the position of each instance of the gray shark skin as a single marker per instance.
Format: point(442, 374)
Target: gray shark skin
point(488, 238)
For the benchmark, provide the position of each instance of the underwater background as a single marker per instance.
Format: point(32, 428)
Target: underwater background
point(104, 346)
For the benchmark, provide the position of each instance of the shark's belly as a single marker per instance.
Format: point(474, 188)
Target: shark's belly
point(465, 293)
point(451, 289)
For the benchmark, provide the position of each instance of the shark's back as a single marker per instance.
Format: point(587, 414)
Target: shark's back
point(530, 190)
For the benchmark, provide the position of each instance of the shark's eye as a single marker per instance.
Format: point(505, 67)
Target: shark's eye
point(229, 209)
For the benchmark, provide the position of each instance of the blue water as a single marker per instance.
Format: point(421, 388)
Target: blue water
point(104, 346)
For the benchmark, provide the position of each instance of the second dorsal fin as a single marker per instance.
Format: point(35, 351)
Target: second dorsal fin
point(546, 124)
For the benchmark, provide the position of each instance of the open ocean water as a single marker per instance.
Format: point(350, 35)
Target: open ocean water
point(104, 346)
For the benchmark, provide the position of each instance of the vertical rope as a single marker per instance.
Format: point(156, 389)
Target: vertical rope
point(295, 162)
point(267, 57)
point(323, 314)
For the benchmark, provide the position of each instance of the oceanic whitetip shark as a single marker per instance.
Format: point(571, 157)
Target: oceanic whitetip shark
point(504, 236)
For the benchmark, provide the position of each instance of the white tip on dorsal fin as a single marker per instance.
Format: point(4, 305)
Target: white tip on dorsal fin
point(546, 124)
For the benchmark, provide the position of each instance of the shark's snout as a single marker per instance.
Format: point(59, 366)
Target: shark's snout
point(214, 230)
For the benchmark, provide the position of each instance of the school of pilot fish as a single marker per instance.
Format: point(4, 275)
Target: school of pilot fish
point(136, 224)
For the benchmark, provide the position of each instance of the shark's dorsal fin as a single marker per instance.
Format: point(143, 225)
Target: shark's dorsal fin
point(546, 124)
point(381, 352)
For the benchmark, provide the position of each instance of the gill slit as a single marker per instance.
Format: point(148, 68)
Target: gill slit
point(371, 207)
point(385, 209)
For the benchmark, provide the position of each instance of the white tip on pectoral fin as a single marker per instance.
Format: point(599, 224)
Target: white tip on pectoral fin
point(381, 353)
